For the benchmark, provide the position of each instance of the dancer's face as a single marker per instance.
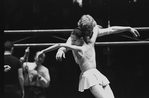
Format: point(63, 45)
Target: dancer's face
point(75, 40)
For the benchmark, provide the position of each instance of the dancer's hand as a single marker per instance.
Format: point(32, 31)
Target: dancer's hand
point(27, 49)
point(135, 32)
point(59, 55)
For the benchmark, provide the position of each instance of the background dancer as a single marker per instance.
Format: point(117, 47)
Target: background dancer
point(37, 77)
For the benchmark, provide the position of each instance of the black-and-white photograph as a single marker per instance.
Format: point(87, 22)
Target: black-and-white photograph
point(76, 49)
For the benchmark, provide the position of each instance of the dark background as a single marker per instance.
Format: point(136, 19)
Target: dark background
point(126, 66)
point(46, 14)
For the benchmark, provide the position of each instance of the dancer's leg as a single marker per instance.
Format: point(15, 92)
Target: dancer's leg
point(98, 91)
point(109, 91)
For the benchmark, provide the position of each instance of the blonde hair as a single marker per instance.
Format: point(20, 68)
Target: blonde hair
point(86, 22)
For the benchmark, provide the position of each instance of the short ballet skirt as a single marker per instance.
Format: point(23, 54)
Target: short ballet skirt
point(90, 78)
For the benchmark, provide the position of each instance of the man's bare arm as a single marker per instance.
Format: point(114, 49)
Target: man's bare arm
point(21, 79)
point(117, 29)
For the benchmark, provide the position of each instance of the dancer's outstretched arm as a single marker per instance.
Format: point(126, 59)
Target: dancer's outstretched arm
point(65, 45)
point(71, 47)
point(98, 32)
point(51, 48)
point(116, 29)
